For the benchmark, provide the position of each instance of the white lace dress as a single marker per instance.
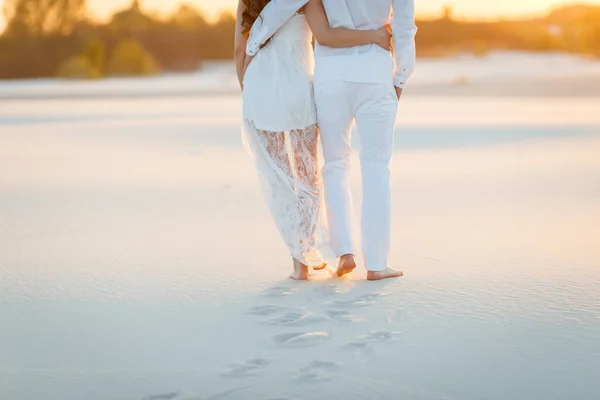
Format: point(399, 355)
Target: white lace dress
point(281, 134)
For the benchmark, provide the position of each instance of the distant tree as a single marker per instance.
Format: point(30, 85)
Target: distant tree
point(187, 17)
point(90, 64)
point(219, 38)
point(95, 52)
point(77, 67)
point(132, 19)
point(42, 17)
point(579, 27)
point(130, 58)
point(590, 32)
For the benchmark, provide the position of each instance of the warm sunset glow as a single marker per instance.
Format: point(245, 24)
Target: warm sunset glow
point(463, 8)
point(489, 9)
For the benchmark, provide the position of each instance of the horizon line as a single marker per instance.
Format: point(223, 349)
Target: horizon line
point(214, 16)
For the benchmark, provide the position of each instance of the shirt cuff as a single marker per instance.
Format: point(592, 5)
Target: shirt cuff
point(400, 79)
point(255, 41)
point(252, 48)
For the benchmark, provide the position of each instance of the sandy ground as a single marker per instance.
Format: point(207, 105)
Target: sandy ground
point(499, 74)
point(138, 260)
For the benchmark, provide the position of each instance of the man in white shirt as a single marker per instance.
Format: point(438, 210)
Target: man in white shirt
point(359, 84)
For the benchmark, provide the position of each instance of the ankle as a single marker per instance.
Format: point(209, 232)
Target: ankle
point(298, 266)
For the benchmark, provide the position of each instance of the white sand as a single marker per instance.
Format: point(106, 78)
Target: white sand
point(138, 260)
point(497, 74)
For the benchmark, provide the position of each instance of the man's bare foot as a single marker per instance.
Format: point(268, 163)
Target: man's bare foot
point(386, 273)
point(346, 265)
point(300, 271)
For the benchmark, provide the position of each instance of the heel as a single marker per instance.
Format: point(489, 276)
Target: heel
point(300, 271)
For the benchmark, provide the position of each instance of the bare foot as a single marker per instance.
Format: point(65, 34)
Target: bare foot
point(346, 265)
point(320, 267)
point(386, 273)
point(300, 271)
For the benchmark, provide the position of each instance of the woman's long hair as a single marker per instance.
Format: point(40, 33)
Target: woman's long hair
point(252, 13)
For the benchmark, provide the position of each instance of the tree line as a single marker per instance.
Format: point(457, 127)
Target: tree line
point(45, 38)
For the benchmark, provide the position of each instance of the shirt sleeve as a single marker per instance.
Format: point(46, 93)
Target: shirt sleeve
point(404, 31)
point(273, 16)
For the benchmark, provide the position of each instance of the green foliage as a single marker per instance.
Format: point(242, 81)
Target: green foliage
point(43, 35)
point(77, 67)
point(42, 17)
point(187, 17)
point(95, 52)
point(89, 64)
point(132, 19)
point(130, 58)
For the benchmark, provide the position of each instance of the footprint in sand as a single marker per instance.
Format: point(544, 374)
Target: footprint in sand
point(382, 335)
point(321, 365)
point(361, 349)
point(266, 310)
point(395, 316)
point(247, 368)
point(343, 316)
point(301, 318)
point(317, 370)
point(279, 291)
point(331, 289)
point(299, 339)
point(359, 301)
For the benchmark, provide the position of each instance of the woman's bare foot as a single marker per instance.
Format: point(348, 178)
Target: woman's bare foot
point(320, 267)
point(346, 265)
point(300, 271)
point(386, 273)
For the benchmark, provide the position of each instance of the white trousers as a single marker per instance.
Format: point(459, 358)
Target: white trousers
point(373, 106)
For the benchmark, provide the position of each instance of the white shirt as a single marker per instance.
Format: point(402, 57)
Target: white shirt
point(367, 63)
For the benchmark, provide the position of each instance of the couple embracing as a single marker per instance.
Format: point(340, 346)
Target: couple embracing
point(360, 69)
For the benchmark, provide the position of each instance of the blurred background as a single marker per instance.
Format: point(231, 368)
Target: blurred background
point(138, 259)
point(92, 39)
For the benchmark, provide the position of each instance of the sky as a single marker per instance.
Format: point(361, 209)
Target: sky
point(480, 9)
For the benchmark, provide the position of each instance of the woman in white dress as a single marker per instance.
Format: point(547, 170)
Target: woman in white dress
point(280, 128)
